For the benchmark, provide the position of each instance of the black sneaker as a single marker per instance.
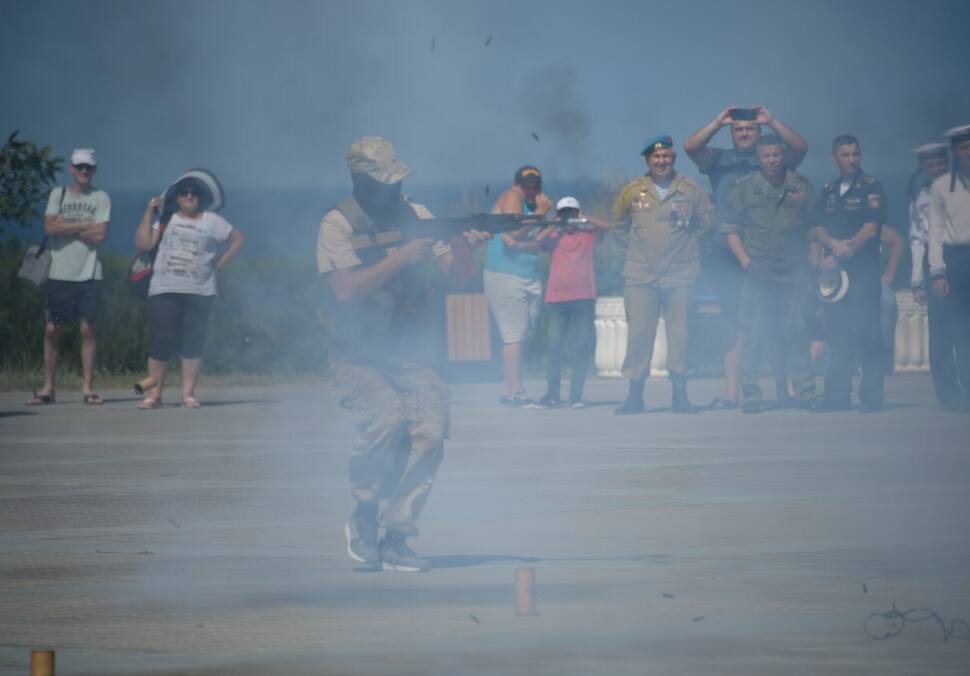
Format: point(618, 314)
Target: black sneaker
point(396, 555)
point(361, 537)
point(754, 407)
point(545, 403)
point(823, 405)
point(517, 400)
point(632, 406)
point(956, 405)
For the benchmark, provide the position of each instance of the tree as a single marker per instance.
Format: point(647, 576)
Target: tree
point(27, 173)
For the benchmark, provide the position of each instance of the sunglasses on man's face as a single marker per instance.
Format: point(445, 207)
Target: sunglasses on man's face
point(187, 192)
point(83, 167)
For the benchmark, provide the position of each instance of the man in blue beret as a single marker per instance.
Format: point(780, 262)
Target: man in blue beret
point(665, 213)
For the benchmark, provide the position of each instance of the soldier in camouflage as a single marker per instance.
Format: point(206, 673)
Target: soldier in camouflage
point(766, 222)
point(378, 311)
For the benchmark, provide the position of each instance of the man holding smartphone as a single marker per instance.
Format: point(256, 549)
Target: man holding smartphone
point(724, 166)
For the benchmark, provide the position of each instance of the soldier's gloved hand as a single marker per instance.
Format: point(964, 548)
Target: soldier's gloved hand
point(416, 251)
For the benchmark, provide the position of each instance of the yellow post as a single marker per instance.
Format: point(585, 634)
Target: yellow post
point(41, 663)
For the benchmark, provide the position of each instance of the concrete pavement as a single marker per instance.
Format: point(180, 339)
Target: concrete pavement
point(209, 542)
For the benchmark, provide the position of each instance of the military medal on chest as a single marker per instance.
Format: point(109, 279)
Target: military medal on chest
point(679, 211)
point(642, 201)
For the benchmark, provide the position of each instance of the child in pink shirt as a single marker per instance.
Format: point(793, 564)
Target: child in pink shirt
point(570, 298)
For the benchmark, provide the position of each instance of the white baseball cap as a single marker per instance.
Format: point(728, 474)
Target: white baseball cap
point(567, 203)
point(84, 156)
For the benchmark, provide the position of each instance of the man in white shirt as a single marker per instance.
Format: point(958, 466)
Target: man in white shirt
point(75, 223)
point(934, 161)
point(949, 246)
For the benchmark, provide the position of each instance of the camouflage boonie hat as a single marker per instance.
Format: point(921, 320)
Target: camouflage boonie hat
point(375, 156)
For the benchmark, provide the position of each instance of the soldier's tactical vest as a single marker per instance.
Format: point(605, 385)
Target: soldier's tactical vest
point(393, 324)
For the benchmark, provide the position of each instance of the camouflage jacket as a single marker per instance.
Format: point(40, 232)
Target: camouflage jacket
point(774, 223)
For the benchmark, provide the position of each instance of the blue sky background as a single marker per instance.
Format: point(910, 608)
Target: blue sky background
point(269, 94)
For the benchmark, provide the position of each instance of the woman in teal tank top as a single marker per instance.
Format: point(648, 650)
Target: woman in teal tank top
point(511, 280)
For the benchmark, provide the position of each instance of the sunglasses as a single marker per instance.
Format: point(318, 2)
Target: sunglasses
point(187, 192)
point(84, 167)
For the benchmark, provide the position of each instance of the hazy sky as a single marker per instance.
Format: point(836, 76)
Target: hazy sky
point(271, 93)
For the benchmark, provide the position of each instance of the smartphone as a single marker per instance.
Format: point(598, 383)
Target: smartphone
point(743, 114)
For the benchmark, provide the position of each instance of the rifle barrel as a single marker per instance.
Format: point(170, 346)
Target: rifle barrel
point(443, 228)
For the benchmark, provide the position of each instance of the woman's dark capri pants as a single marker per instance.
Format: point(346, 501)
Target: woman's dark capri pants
point(179, 322)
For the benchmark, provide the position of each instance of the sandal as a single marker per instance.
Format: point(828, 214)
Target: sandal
point(191, 402)
point(41, 399)
point(93, 399)
point(149, 404)
point(724, 402)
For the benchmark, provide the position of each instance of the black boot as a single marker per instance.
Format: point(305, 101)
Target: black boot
point(634, 399)
point(681, 404)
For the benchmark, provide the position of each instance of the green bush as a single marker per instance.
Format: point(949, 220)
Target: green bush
point(264, 320)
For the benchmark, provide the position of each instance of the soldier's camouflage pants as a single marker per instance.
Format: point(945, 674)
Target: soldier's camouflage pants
point(401, 415)
point(772, 314)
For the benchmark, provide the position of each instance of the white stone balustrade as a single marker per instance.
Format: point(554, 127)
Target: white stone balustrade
point(912, 334)
point(611, 337)
point(912, 338)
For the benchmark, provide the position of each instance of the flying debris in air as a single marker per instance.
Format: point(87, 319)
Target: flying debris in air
point(432, 44)
point(535, 136)
point(474, 618)
point(488, 41)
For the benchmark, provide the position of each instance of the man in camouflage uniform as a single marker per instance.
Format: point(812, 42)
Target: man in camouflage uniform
point(378, 310)
point(666, 213)
point(766, 222)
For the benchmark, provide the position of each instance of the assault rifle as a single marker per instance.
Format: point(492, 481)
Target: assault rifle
point(446, 228)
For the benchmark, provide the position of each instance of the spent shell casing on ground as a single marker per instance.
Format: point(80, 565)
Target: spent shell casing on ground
point(145, 384)
point(525, 592)
point(41, 663)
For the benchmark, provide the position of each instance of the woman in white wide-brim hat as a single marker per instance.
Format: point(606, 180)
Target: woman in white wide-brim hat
point(193, 242)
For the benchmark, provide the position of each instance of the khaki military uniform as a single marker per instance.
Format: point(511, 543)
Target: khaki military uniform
point(384, 373)
point(663, 260)
point(774, 225)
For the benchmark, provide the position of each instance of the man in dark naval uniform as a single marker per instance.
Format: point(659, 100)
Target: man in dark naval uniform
point(851, 211)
